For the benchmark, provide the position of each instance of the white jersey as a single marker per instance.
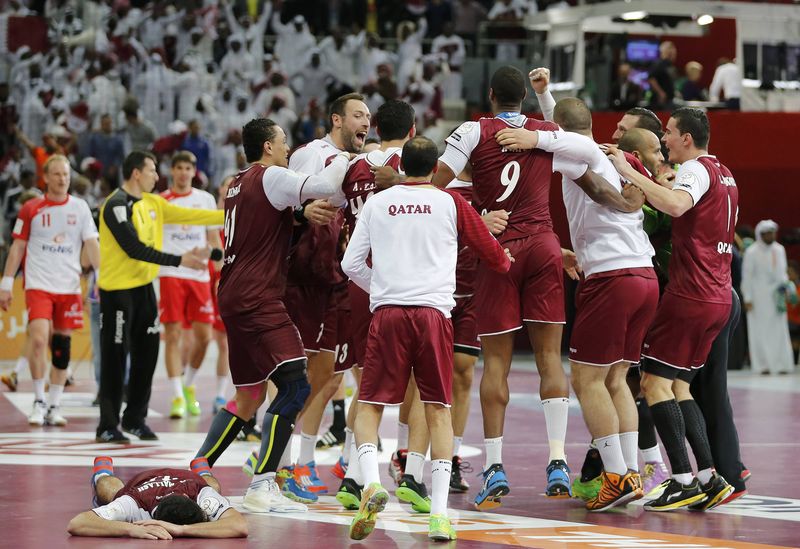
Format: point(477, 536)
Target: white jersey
point(179, 239)
point(313, 157)
point(604, 239)
point(55, 232)
point(125, 508)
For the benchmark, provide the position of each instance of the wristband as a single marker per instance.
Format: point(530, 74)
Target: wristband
point(216, 254)
point(299, 215)
point(7, 283)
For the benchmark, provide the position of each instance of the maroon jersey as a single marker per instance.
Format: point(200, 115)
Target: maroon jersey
point(313, 261)
point(702, 238)
point(467, 263)
point(515, 181)
point(359, 183)
point(637, 165)
point(149, 487)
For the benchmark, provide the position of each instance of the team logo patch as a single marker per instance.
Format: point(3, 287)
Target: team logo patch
point(121, 213)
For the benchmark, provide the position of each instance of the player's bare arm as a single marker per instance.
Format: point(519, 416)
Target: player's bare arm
point(320, 212)
point(89, 524)
point(15, 255)
point(496, 221)
point(386, 176)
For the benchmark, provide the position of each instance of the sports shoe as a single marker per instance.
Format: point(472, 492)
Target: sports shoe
point(292, 490)
point(457, 482)
point(178, 409)
point(251, 432)
point(558, 485)
point(655, 474)
point(439, 528)
point(54, 417)
point(114, 436)
point(307, 477)
point(415, 493)
point(142, 431)
point(349, 494)
point(733, 497)
point(37, 413)
point(587, 486)
point(10, 380)
point(616, 490)
point(495, 486)
point(716, 491)
point(249, 467)
point(373, 501)
point(266, 497)
point(397, 465)
point(331, 438)
point(677, 495)
point(190, 396)
point(340, 468)
point(219, 404)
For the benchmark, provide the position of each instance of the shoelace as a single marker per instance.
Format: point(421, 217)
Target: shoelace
point(464, 466)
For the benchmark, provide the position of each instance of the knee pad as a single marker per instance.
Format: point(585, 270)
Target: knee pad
point(293, 389)
point(60, 347)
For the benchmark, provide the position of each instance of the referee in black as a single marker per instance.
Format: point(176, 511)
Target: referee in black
point(131, 232)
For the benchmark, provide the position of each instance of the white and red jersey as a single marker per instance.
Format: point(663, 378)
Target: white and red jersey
point(55, 232)
point(179, 239)
point(467, 264)
point(313, 157)
point(413, 231)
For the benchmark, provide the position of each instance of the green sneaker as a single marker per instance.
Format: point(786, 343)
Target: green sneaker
point(349, 494)
point(587, 490)
point(192, 406)
point(415, 493)
point(373, 501)
point(178, 409)
point(439, 528)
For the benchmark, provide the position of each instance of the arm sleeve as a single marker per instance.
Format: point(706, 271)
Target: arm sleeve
point(571, 169)
point(547, 103)
point(354, 262)
point(569, 145)
point(474, 233)
point(287, 188)
point(178, 215)
point(213, 503)
point(460, 145)
point(22, 227)
point(123, 509)
point(692, 178)
point(115, 216)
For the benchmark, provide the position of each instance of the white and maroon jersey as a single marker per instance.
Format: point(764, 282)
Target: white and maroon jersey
point(413, 231)
point(467, 264)
point(504, 179)
point(179, 239)
point(702, 238)
point(604, 239)
point(312, 157)
point(55, 232)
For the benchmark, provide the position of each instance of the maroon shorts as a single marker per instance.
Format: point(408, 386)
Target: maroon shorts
point(260, 341)
point(465, 327)
point(614, 311)
point(683, 331)
point(360, 318)
point(402, 340)
point(532, 291)
point(336, 330)
point(185, 301)
point(306, 306)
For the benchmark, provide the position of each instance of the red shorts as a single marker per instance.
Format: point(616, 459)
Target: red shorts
point(185, 301)
point(532, 291)
point(64, 310)
point(465, 327)
point(402, 339)
point(260, 341)
point(306, 306)
point(614, 311)
point(683, 331)
point(336, 330)
point(360, 318)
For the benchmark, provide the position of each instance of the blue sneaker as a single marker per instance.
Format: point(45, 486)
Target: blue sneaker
point(219, 404)
point(307, 477)
point(292, 490)
point(558, 483)
point(495, 486)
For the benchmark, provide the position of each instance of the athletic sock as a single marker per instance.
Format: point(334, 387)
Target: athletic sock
point(683, 478)
point(103, 465)
point(222, 386)
point(276, 434)
point(22, 364)
point(353, 466)
point(440, 485)
point(457, 445)
point(189, 375)
point(339, 417)
point(368, 459)
point(704, 475)
point(415, 464)
point(611, 453)
point(177, 386)
point(494, 451)
point(402, 436)
point(647, 430)
point(348, 440)
point(307, 444)
point(668, 419)
point(38, 389)
point(224, 428)
point(696, 434)
point(200, 466)
point(651, 455)
point(556, 412)
point(54, 399)
point(630, 449)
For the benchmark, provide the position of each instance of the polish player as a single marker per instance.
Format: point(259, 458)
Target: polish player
point(185, 298)
point(263, 342)
point(411, 232)
point(50, 233)
point(695, 305)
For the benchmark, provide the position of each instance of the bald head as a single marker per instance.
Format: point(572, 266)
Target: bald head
point(573, 115)
point(645, 145)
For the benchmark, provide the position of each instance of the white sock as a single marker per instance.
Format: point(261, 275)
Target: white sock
point(22, 364)
point(222, 386)
point(415, 463)
point(353, 467)
point(177, 386)
point(188, 376)
point(307, 444)
point(705, 475)
point(457, 445)
point(286, 457)
point(402, 436)
point(440, 485)
point(259, 479)
point(348, 440)
point(494, 451)
point(611, 453)
point(630, 449)
point(683, 478)
point(652, 455)
point(368, 460)
point(556, 412)
point(38, 389)
point(54, 398)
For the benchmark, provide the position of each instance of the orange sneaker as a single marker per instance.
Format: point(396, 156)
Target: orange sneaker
point(616, 490)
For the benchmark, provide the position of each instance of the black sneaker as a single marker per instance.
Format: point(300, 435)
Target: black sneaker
point(415, 493)
point(114, 436)
point(142, 431)
point(457, 482)
point(349, 494)
point(716, 490)
point(331, 438)
point(592, 465)
point(677, 495)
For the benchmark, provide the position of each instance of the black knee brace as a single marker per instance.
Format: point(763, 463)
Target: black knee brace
point(59, 347)
point(293, 389)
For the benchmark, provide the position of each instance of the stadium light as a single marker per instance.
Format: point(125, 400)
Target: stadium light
point(705, 19)
point(634, 15)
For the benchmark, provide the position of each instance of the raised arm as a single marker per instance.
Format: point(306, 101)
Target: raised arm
point(540, 82)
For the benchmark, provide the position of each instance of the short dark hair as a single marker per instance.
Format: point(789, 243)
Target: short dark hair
point(395, 119)
point(179, 509)
point(135, 161)
point(420, 156)
point(254, 134)
point(340, 103)
point(184, 156)
point(647, 120)
point(695, 123)
point(572, 114)
point(508, 85)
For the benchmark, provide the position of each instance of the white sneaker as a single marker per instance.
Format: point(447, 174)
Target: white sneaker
point(266, 497)
point(54, 417)
point(38, 413)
